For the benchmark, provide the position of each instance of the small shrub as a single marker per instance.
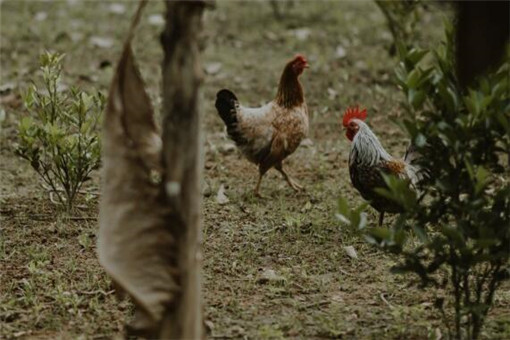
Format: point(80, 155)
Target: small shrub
point(58, 136)
point(401, 18)
point(460, 221)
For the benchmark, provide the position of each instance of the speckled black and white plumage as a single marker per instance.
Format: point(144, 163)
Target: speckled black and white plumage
point(368, 160)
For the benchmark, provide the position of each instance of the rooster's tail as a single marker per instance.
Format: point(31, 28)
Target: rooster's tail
point(416, 171)
point(228, 106)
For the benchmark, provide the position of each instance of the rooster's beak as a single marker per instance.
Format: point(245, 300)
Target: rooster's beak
point(306, 65)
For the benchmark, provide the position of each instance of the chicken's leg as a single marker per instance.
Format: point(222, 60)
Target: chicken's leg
point(293, 184)
point(262, 171)
point(257, 187)
point(381, 218)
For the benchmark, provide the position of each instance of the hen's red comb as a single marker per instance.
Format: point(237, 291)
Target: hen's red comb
point(299, 57)
point(353, 113)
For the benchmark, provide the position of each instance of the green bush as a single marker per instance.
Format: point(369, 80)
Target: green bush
point(59, 135)
point(455, 232)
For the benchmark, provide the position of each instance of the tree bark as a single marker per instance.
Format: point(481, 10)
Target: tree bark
point(149, 235)
point(183, 158)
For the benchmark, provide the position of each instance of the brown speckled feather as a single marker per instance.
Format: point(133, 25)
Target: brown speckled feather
point(267, 135)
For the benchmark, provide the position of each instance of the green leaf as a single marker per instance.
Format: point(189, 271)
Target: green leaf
point(454, 235)
point(25, 124)
point(416, 55)
point(416, 98)
point(420, 233)
point(401, 73)
point(379, 233)
point(481, 179)
point(420, 140)
point(413, 78)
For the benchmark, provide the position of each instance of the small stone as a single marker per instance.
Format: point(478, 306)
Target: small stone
point(221, 198)
point(269, 275)
point(213, 68)
point(302, 33)
point(227, 148)
point(102, 42)
point(156, 20)
point(351, 252)
point(340, 52)
point(117, 8)
point(307, 142)
point(41, 16)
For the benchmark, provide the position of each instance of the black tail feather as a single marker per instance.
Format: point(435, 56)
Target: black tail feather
point(226, 104)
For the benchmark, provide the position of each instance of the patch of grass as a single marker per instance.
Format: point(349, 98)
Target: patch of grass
point(325, 292)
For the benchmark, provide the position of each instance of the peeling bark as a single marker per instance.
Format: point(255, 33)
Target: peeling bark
point(149, 236)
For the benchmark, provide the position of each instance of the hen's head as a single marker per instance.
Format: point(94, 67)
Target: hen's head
point(351, 119)
point(298, 64)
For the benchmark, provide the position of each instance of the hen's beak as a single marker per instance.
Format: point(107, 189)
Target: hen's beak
point(306, 65)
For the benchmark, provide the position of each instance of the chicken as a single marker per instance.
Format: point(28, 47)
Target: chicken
point(267, 135)
point(368, 159)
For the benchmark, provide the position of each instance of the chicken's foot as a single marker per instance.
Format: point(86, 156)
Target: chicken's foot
point(257, 187)
point(293, 184)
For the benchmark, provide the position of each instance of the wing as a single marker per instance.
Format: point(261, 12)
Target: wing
point(394, 167)
point(366, 178)
point(255, 125)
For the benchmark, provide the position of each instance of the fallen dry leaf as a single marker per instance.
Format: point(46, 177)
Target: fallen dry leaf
point(136, 247)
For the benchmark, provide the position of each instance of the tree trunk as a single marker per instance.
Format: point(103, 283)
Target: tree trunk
point(183, 159)
point(149, 235)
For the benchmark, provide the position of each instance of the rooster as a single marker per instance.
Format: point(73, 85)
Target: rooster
point(368, 160)
point(267, 135)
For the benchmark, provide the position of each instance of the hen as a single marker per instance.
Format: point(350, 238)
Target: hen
point(267, 135)
point(368, 160)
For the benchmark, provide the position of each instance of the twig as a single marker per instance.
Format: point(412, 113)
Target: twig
point(82, 218)
point(49, 217)
point(315, 304)
point(299, 286)
point(269, 231)
point(53, 200)
point(99, 291)
point(386, 301)
point(344, 272)
point(85, 192)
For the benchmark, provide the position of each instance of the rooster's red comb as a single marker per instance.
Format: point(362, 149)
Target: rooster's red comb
point(354, 113)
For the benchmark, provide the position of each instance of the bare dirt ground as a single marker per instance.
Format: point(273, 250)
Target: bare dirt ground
point(51, 283)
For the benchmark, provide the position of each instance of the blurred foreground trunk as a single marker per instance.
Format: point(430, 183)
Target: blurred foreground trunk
point(149, 237)
point(182, 157)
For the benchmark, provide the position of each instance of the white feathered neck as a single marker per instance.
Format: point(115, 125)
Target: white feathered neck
point(366, 149)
